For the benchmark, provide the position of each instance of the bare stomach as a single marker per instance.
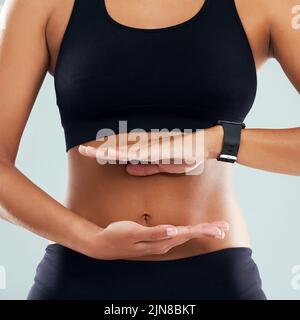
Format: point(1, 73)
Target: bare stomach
point(107, 193)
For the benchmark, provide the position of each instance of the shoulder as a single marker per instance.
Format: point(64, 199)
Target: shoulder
point(284, 17)
point(274, 18)
point(283, 11)
point(269, 10)
point(29, 11)
point(272, 10)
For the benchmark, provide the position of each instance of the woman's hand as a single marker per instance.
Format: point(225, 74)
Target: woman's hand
point(169, 152)
point(127, 239)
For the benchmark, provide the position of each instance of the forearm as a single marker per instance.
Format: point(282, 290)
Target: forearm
point(274, 150)
point(25, 204)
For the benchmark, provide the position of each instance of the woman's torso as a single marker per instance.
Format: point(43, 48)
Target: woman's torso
point(104, 194)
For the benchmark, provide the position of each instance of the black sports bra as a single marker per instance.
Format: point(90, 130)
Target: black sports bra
point(184, 76)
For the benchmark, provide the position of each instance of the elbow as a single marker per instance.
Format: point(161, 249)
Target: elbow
point(5, 164)
point(296, 164)
point(7, 158)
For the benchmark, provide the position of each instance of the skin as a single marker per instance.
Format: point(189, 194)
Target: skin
point(110, 211)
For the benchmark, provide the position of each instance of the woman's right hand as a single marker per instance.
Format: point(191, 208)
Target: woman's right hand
point(127, 239)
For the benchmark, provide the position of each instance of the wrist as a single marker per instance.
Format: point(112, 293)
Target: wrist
point(85, 234)
point(213, 141)
point(95, 245)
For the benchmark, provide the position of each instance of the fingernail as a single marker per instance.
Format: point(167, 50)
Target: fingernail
point(171, 231)
point(221, 236)
point(81, 147)
point(226, 227)
point(214, 231)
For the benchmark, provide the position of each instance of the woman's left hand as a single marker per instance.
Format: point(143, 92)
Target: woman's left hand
point(160, 152)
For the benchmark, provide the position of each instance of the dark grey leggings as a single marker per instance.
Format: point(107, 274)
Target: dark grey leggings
point(224, 274)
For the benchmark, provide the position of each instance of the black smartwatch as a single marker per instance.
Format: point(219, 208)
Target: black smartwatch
point(231, 141)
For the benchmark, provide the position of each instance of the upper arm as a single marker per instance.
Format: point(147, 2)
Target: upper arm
point(24, 60)
point(285, 37)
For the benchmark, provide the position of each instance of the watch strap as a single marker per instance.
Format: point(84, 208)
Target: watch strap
point(231, 140)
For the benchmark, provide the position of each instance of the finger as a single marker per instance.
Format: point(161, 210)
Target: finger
point(185, 233)
point(155, 233)
point(87, 151)
point(82, 150)
point(224, 225)
point(141, 154)
point(101, 153)
point(151, 169)
point(142, 169)
point(158, 247)
point(134, 154)
point(206, 229)
point(121, 154)
point(172, 168)
point(164, 245)
point(152, 152)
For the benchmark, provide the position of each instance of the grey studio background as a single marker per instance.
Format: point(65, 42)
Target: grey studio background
point(270, 201)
